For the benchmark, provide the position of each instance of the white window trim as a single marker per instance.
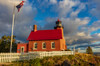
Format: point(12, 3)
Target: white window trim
point(51, 45)
point(42, 45)
point(34, 45)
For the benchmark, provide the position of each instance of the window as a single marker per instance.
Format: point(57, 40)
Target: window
point(35, 45)
point(52, 45)
point(44, 45)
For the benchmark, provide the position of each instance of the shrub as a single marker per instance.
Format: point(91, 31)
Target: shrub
point(35, 62)
point(89, 50)
point(47, 61)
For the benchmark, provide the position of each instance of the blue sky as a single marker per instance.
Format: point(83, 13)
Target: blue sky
point(80, 18)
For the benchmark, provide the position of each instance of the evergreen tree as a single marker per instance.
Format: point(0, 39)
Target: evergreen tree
point(5, 44)
point(89, 50)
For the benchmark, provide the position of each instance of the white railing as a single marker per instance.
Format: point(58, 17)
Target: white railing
point(9, 57)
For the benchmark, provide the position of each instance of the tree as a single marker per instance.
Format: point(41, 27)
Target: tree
point(5, 44)
point(89, 50)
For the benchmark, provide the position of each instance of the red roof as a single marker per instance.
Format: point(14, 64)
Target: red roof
point(45, 34)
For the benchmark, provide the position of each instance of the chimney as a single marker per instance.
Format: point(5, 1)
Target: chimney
point(35, 28)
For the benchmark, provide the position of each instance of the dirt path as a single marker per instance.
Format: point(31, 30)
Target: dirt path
point(2, 64)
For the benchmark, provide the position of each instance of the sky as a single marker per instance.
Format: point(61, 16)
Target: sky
point(80, 18)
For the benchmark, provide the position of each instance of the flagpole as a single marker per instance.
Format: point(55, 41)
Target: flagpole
point(12, 29)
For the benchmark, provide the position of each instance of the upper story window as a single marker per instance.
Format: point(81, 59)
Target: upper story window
point(52, 45)
point(35, 45)
point(44, 45)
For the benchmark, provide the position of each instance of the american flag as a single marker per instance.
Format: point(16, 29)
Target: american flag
point(20, 5)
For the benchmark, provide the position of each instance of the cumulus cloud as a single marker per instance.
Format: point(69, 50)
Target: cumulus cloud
point(65, 6)
point(93, 27)
point(72, 32)
point(72, 25)
point(94, 6)
point(96, 36)
point(81, 34)
point(76, 30)
point(53, 1)
point(75, 13)
point(23, 19)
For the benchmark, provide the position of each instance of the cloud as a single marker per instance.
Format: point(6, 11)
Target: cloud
point(96, 36)
point(81, 34)
point(81, 7)
point(53, 1)
point(94, 6)
point(23, 19)
point(93, 27)
point(76, 30)
point(72, 32)
point(65, 6)
point(72, 25)
point(72, 29)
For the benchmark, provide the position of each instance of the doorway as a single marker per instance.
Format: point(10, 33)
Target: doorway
point(22, 49)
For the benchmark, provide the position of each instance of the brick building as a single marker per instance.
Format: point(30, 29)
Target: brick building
point(44, 40)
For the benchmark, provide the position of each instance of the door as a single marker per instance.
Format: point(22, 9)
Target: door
point(22, 49)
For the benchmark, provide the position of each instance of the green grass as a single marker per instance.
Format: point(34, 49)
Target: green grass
point(73, 60)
